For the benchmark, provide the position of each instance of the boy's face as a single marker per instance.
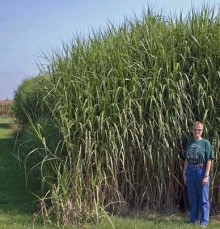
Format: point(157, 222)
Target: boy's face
point(197, 131)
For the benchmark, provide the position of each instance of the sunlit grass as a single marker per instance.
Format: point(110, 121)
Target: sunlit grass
point(135, 223)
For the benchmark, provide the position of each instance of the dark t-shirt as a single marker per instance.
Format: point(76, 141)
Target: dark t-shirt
point(198, 152)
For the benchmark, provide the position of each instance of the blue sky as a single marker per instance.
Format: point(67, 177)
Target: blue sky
point(29, 27)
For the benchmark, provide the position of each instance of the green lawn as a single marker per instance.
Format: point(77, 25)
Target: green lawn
point(15, 207)
point(17, 203)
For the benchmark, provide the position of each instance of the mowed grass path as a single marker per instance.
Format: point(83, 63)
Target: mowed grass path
point(17, 203)
point(15, 207)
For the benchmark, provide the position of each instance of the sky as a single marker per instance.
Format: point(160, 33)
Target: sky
point(29, 28)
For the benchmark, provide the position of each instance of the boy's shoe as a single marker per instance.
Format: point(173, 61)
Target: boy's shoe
point(203, 226)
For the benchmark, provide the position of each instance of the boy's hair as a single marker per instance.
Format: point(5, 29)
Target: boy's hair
point(198, 123)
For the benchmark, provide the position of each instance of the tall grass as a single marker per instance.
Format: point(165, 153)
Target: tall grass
point(122, 103)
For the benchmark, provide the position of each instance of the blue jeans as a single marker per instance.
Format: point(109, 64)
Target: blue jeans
point(198, 194)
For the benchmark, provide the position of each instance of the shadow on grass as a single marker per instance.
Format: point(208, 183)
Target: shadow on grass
point(14, 197)
point(4, 125)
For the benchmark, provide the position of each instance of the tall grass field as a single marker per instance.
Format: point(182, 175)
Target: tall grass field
point(104, 124)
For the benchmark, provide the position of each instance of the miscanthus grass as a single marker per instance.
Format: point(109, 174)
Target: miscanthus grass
point(115, 112)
